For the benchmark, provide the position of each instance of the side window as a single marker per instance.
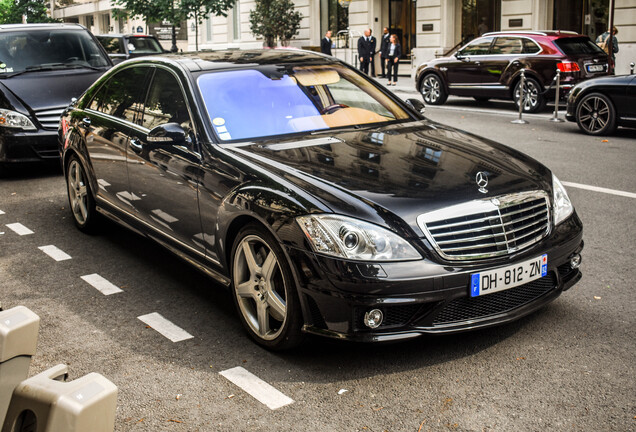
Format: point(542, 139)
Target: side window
point(124, 96)
point(98, 98)
point(478, 47)
point(165, 103)
point(507, 46)
point(529, 47)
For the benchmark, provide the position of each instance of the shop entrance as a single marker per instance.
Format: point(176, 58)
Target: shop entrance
point(402, 15)
point(582, 16)
point(479, 17)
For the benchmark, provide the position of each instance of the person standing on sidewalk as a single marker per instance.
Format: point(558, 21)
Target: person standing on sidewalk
point(603, 42)
point(325, 43)
point(366, 48)
point(384, 50)
point(393, 59)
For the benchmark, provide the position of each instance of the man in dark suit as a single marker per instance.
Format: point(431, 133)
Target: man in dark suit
point(384, 49)
point(366, 49)
point(325, 43)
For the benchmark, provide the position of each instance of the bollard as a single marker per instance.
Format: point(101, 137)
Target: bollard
point(522, 97)
point(18, 340)
point(556, 99)
point(631, 68)
point(46, 404)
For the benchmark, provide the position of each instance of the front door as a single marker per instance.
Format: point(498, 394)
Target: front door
point(465, 70)
point(402, 23)
point(164, 176)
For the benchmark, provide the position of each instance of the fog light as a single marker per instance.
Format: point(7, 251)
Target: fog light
point(575, 261)
point(373, 318)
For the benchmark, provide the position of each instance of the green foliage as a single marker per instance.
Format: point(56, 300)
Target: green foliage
point(11, 11)
point(275, 20)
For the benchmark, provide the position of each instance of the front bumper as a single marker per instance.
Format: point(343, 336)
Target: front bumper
point(425, 297)
point(20, 146)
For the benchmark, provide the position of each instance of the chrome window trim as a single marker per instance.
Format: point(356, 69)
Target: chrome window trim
point(482, 206)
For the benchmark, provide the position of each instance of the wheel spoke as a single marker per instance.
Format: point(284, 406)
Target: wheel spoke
point(82, 191)
point(268, 268)
point(263, 318)
point(249, 259)
point(277, 306)
point(601, 122)
point(592, 123)
point(585, 117)
point(603, 111)
point(245, 289)
point(82, 206)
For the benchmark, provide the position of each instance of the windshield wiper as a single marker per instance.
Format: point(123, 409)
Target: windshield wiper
point(344, 129)
point(49, 66)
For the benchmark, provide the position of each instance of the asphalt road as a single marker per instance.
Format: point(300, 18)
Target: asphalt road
point(568, 367)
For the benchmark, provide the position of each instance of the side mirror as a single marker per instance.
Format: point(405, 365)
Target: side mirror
point(416, 105)
point(167, 134)
point(460, 56)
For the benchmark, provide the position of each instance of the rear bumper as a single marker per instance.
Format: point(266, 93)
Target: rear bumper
point(20, 147)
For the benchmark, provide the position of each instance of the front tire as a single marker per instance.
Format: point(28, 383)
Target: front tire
point(533, 100)
point(596, 115)
point(433, 91)
point(80, 197)
point(264, 290)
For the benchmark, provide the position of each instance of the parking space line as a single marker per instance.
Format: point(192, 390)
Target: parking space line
point(165, 327)
point(257, 388)
point(55, 253)
point(19, 229)
point(1, 212)
point(600, 189)
point(101, 284)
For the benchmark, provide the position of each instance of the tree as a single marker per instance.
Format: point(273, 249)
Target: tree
point(173, 11)
point(11, 11)
point(275, 19)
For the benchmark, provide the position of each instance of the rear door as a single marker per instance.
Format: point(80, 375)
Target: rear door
point(106, 124)
point(505, 50)
point(163, 175)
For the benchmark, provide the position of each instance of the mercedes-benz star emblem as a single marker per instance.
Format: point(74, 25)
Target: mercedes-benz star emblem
point(482, 181)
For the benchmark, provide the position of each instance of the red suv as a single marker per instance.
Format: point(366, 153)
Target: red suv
point(490, 67)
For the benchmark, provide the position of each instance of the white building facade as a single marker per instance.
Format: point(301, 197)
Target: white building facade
point(426, 28)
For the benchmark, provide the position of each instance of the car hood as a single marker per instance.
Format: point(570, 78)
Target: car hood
point(390, 175)
point(49, 89)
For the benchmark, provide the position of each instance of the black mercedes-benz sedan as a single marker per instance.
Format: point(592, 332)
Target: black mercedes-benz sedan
point(325, 203)
point(42, 67)
point(600, 105)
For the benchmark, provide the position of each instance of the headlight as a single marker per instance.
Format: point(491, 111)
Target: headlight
point(562, 205)
point(345, 237)
point(12, 119)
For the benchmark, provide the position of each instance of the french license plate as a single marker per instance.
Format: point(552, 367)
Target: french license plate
point(503, 278)
point(595, 68)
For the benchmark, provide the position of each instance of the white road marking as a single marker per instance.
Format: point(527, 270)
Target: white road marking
point(501, 113)
point(165, 327)
point(1, 212)
point(101, 284)
point(257, 388)
point(19, 229)
point(600, 189)
point(55, 253)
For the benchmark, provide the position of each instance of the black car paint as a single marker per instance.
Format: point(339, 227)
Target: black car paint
point(620, 89)
point(37, 91)
point(221, 187)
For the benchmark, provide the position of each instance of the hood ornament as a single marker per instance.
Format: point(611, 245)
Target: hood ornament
point(482, 181)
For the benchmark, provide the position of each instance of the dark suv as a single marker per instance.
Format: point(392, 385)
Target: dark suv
point(121, 47)
point(42, 67)
point(490, 67)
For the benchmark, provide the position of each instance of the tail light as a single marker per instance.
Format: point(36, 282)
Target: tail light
point(568, 66)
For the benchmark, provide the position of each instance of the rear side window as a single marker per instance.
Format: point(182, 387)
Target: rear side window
point(529, 47)
point(478, 47)
point(122, 96)
point(578, 46)
point(507, 45)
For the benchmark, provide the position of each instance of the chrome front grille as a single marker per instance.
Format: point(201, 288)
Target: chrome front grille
point(49, 118)
point(488, 228)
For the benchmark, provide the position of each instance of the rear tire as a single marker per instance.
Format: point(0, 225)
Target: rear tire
point(596, 115)
point(80, 196)
point(534, 101)
point(265, 294)
point(433, 90)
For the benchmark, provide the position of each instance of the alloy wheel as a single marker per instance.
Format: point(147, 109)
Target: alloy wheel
point(78, 192)
point(531, 96)
point(260, 287)
point(431, 89)
point(594, 114)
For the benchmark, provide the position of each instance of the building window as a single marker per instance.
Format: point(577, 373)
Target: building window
point(236, 21)
point(479, 17)
point(208, 29)
point(333, 17)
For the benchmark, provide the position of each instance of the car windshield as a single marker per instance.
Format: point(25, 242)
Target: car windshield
point(280, 99)
point(578, 46)
point(42, 49)
point(143, 45)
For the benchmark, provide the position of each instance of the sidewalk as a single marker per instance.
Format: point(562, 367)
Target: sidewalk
point(404, 85)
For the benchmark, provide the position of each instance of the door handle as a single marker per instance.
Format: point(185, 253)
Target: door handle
point(136, 145)
point(477, 63)
point(86, 122)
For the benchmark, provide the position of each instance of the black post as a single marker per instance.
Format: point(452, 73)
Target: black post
point(610, 38)
point(174, 48)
